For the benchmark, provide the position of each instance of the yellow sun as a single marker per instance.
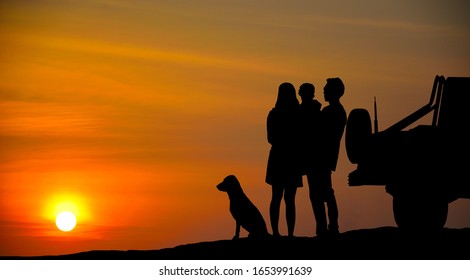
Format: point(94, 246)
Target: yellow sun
point(66, 221)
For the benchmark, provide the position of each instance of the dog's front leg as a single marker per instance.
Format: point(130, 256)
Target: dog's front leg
point(237, 230)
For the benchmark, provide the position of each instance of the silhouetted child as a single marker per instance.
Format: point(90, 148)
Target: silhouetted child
point(309, 119)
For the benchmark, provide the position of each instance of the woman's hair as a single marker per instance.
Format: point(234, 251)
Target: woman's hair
point(286, 97)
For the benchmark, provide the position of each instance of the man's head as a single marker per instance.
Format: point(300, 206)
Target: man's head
point(333, 90)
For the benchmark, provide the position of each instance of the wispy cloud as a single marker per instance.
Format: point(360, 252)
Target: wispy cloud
point(109, 49)
point(391, 25)
point(47, 119)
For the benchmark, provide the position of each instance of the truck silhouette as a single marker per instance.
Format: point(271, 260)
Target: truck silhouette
point(425, 167)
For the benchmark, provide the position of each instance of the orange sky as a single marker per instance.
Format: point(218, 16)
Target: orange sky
point(132, 111)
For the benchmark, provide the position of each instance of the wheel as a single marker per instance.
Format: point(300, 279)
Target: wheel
point(419, 214)
point(358, 133)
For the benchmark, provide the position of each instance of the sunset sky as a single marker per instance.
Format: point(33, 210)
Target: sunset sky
point(128, 113)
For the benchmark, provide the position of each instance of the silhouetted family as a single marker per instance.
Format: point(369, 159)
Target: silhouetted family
point(305, 140)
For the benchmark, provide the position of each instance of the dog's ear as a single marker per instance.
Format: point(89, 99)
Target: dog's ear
point(232, 179)
point(233, 182)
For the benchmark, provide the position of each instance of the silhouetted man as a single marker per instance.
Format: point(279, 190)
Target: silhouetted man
point(332, 123)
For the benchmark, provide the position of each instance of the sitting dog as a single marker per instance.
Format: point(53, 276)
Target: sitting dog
point(244, 212)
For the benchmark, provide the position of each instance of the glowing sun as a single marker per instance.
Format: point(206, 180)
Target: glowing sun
point(66, 221)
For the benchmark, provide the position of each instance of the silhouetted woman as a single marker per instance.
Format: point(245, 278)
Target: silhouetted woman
point(283, 168)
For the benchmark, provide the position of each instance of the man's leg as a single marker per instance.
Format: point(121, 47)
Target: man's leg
point(317, 202)
point(330, 200)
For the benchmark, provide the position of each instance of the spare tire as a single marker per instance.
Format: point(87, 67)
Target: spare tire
point(358, 133)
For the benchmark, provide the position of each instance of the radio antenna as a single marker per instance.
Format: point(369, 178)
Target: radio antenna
point(376, 123)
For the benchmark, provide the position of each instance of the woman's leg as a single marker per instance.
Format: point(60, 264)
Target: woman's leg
point(289, 199)
point(274, 208)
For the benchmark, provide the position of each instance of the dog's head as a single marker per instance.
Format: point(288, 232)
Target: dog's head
point(229, 184)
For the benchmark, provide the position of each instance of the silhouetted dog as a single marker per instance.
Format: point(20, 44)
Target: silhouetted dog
point(244, 212)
